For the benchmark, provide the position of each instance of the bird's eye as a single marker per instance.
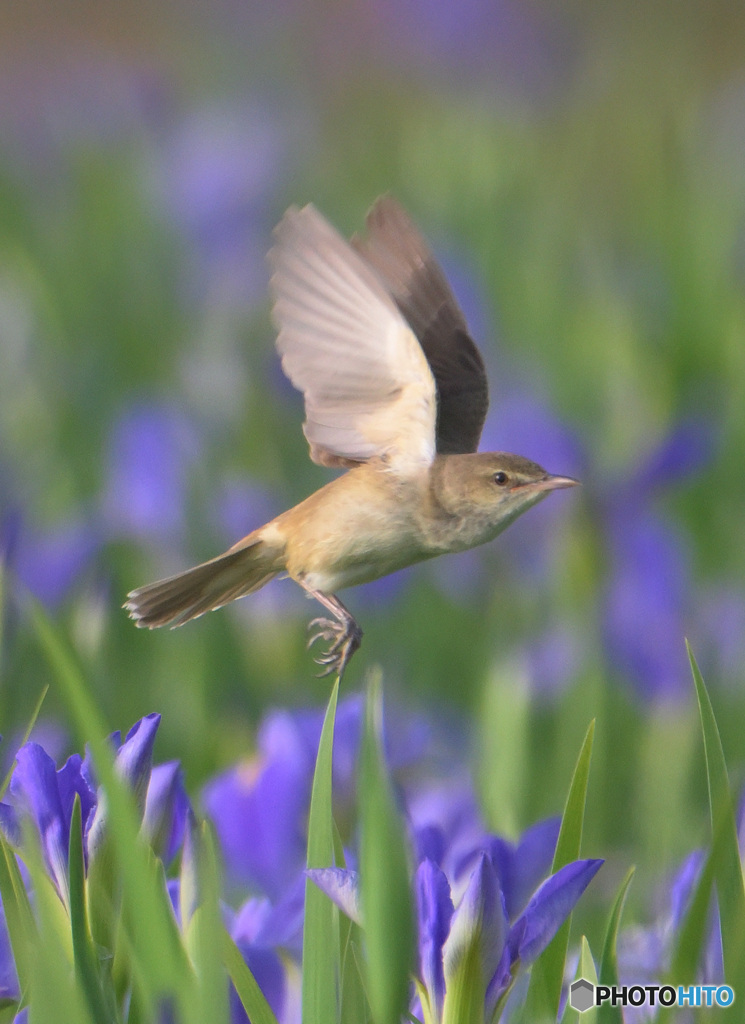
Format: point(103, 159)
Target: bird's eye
point(500, 478)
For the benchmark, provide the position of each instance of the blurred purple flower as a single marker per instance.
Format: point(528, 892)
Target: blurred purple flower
point(71, 96)
point(647, 609)
point(718, 635)
point(151, 450)
point(260, 930)
point(260, 807)
point(553, 659)
point(503, 41)
point(445, 820)
point(48, 733)
point(645, 951)
point(687, 449)
point(645, 606)
point(166, 809)
point(218, 180)
point(242, 506)
point(49, 562)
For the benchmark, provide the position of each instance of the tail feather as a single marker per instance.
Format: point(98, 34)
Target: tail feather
point(176, 600)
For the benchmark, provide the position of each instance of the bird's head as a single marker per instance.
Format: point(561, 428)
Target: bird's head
point(493, 488)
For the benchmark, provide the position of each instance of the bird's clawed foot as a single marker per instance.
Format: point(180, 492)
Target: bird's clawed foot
point(343, 637)
point(341, 633)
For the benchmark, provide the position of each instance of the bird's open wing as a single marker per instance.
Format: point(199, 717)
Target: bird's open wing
point(400, 257)
point(368, 387)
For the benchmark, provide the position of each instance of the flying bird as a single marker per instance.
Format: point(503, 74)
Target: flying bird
point(395, 394)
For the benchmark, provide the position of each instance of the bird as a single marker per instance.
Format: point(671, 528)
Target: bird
point(396, 395)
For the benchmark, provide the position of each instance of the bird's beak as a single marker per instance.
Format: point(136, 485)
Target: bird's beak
point(555, 483)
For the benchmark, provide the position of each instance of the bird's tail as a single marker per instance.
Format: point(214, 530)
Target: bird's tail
point(240, 571)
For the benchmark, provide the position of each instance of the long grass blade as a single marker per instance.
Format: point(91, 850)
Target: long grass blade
point(547, 975)
point(252, 998)
point(26, 734)
point(384, 874)
point(728, 875)
point(609, 1014)
point(320, 926)
point(82, 946)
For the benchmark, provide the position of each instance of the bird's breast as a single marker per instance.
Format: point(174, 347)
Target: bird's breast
point(358, 528)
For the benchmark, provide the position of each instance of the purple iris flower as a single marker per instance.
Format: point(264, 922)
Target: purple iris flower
point(521, 865)
point(45, 794)
point(9, 988)
point(448, 828)
point(445, 820)
point(466, 929)
point(151, 451)
point(166, 810)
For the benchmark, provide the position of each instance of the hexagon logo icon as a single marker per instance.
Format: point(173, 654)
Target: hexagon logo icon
point(581, 995)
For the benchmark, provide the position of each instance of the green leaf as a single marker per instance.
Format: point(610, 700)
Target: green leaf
point(83, 952)
point(466, 987)
point(693, 931)
point(692, 935)
point(503, 729)
point(547, 975)
point(727, 868)
point(354, 1007)
point(252, 998)
point(585, 969)
point(19, 916)
point(608, 1014)
point(204, 938)
point(320, 926)
point(54, 991)
point(384, 876)
point(27, 733)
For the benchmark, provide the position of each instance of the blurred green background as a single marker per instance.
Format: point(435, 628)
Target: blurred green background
point(579, 169)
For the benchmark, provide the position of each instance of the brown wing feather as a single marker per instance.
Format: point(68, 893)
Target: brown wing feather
point(403, 261)
point(369, 390)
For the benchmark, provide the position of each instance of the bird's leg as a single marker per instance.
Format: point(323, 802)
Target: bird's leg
point(342, 633)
